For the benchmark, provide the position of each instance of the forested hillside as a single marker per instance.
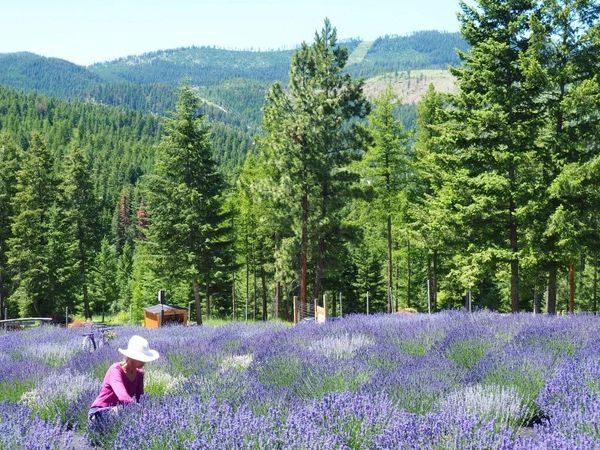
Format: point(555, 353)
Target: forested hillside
point(232, 83)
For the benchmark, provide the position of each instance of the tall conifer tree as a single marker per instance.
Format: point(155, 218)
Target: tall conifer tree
point(28, 247)
point(309, 142)
point(9, 164)
point(187, 225)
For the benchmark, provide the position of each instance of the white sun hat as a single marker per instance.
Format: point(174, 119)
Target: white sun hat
point(138, 349)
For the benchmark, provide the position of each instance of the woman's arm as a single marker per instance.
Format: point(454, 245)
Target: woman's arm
point(118, 386)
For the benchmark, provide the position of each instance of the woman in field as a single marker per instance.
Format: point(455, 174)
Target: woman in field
point(123, 383)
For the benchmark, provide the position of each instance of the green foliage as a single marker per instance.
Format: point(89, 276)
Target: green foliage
point(11, 391)
point(281, 372)
point(187, 224)
point(467, 352)
point(103, 279)
point(314, 385)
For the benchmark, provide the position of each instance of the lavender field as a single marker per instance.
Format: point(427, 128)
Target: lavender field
point(447, 381)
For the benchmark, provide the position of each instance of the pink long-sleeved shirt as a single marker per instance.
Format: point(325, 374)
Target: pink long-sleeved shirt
point(117, 389)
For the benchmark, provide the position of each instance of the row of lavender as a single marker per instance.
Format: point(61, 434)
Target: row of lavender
point(448, 381)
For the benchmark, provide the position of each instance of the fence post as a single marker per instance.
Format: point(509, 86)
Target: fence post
point(130, 314)
point(341, 314)
point(469, 300)
point(367, 303)
point(295, 309)
point(66, 317)
point(325, 305)
point(428, 296)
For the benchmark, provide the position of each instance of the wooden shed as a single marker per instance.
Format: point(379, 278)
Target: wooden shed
point(173, 315)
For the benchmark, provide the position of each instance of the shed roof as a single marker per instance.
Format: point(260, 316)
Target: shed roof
point(156, 308)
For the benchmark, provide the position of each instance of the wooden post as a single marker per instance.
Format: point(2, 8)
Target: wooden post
point(571, 308)
point(295, 309)
point(341, 314)
point(325, 305)
point(315, 311)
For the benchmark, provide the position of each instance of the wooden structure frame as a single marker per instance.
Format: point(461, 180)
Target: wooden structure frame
point(172, 315)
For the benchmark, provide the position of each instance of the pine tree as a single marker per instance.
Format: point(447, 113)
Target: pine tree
point(28, 247)
point(565, 65)
point(386, 170)
point(9, 164)
point(103, 279)
point(187, 224)
point(495, 129)
point(79, 202)
point(310, 140)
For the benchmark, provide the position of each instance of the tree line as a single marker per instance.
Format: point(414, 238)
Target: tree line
point(491, 202)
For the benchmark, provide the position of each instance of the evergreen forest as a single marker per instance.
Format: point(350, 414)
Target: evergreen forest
point(237, 180)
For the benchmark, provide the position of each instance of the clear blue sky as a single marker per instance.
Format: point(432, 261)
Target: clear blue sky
point(88, 31)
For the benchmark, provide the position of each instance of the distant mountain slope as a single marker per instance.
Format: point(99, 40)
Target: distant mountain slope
point(420, 50)
point(233, 83)
point(203, 66)
point(57, 77)
point(411, 85)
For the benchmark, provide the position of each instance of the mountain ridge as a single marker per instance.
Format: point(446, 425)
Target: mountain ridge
point(232, 82)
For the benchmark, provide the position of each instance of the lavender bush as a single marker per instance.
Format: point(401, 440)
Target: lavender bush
point(447, 381)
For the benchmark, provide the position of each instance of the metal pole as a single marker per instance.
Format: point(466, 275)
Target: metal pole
point(341, 314)
point(428, 296)
point(367, 303)
point(469, 300)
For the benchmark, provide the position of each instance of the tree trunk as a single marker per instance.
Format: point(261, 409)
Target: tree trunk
point(254, 303)
point(514, 262)
point(82, 270)
point(595, 288)
point(430, 301)
point(390, 271)
point(247, 276)
point(196, 287)
point(408, 274)
point(207, 297)
point(434, 281)
point(1, 297)
point(536, 301)
point(304, 252)
point(263, 277)
point(571, 308)
point(397, 282)
point(277, 299)
point(319, 269)
point(233, 297)
point(552, 290)
point(334, 306)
